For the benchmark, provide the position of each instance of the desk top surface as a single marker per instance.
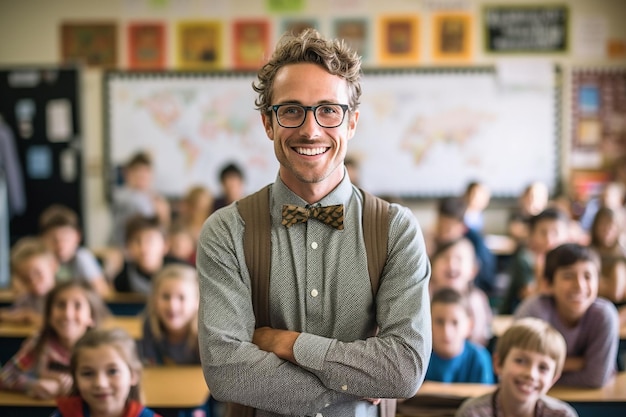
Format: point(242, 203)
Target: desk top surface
point(164, 387)
point(132, 324)
point(8, 296)
point(614, 391)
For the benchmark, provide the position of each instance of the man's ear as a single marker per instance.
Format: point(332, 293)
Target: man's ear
point(267, 124)
point(352, 122)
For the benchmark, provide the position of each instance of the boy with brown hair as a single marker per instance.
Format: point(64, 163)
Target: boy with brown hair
point(146, 254)
point(33, 268)
point(454, 357)
point(136, 197)
point(528, 360)
point(547, 230)
point(61, 231)
point(589, 324)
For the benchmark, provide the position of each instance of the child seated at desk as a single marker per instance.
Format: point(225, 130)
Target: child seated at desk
point(454, 265)
point(170, 328)
point(605, 240)
point(528, 360)
point(450, 226)
point(34, 267)
point(454, 358)
point(146, 250)
point(60, 230)
point(547, 230)
point(40, 368)
point(589, 324)
point(104, 361)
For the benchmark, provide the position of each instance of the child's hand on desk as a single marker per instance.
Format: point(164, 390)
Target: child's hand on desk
point(45, 389)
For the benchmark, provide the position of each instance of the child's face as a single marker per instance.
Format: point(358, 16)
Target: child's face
point(37, 273)
point(176, 303)
point(455, 268)
point(104, 380)
point(181, 245)
point(147, 248)
point(63, 241)
point(451, 327)
point(525, 376)
point(575, 287)
point(139, 177)
point(233, 186)
point(547, 235)
point(607, 231)
point(70, 315)
point(449, 228)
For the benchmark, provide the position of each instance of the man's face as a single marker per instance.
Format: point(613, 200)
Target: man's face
point(309, 154)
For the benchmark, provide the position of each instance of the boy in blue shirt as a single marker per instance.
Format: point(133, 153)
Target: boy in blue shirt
point(454, 358)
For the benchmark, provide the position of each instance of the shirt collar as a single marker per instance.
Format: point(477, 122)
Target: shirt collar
point(342, 193)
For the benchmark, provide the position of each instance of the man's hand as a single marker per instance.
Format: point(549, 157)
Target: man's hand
point(279, 342)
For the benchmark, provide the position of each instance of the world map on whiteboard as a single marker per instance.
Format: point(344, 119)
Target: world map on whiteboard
point(192, 127)
point(436, 132)
point(421, 134)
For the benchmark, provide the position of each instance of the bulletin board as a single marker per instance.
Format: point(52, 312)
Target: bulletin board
point(40, 104)
point(421, 133)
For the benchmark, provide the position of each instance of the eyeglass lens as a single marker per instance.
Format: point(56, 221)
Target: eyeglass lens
point(293, 115)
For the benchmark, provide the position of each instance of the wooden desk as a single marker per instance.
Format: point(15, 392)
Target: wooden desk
point(125, 304)
point(12, 335)
point(501, 322)
point(172, 387)
point(608, 401)
point(500, 244)
point(120, 304)
point(131, 324)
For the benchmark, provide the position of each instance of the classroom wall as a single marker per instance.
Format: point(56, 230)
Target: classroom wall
point(29, 34)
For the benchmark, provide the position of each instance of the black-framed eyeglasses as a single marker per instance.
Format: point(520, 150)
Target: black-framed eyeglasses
point(326, 115)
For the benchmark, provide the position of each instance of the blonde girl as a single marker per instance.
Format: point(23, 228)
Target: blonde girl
point(170, 330)
point(41, 367)
point(107, 374)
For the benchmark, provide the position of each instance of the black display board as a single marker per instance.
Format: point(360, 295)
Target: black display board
point(41, 106)
point(526, 28)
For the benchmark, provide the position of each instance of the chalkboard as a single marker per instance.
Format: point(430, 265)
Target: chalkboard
point(421, 133)
point(528, 29)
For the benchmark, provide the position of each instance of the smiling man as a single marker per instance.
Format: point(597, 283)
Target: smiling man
point(335, 345)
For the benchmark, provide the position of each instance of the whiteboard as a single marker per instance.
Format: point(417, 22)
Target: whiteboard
point(421, 133)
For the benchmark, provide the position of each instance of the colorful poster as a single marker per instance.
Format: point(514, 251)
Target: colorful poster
point(399, 40)
point(282, 6)
point(199, 45)
point(146, 45)
point(598, 117)
point(297, 26)
point(93, 44)
point(452, 37)
point(355, 32)
point(251, 46)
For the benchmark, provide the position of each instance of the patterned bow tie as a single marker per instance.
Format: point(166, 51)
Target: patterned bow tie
point(329, 215)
